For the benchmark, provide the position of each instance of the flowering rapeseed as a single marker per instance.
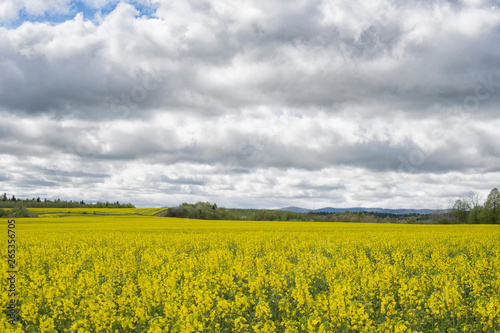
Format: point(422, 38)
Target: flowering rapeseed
point(147, 274)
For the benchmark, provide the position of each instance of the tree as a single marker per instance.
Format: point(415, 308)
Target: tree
point(475, 215)
point(460, 210)
point(19, 211)
point(4, 198)
point(491, 211)
point(474, 198)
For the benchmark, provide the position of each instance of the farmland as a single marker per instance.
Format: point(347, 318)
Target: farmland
point(132, 272)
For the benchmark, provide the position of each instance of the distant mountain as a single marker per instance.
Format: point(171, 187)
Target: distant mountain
point(296, 209)
point(359, 209)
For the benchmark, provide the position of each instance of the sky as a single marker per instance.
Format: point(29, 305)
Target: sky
point(250, 104)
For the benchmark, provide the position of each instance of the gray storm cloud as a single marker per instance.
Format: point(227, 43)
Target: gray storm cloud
point(339, 103)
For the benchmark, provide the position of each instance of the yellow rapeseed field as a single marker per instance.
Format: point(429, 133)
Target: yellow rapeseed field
point(134, 273)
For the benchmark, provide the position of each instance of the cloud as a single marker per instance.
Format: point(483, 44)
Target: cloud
point(263, 61)
point(10, 9)
point(250, 103)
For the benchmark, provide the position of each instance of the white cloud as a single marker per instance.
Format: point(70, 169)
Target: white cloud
point(8, 11)
point(252, 103)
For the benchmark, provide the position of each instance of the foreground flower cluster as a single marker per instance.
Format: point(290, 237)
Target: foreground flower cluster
point(139, 274)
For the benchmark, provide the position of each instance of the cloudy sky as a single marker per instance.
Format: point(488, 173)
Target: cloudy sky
point(260, 104)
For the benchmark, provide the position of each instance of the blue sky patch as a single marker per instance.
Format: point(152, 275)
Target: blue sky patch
point(56, 17)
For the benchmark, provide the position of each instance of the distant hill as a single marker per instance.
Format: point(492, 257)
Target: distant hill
point(296, 209)
point(359, 209)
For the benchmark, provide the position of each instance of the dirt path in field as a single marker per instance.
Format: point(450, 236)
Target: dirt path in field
point(161, 213)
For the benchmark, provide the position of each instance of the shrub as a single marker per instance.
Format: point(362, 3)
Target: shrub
point(19, 211)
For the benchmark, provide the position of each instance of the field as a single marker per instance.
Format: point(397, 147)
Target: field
point(129, 272)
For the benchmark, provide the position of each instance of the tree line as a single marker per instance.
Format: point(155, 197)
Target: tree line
point(12, 202)
point(208, 211)
point(18, 211)
point(471, 208)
